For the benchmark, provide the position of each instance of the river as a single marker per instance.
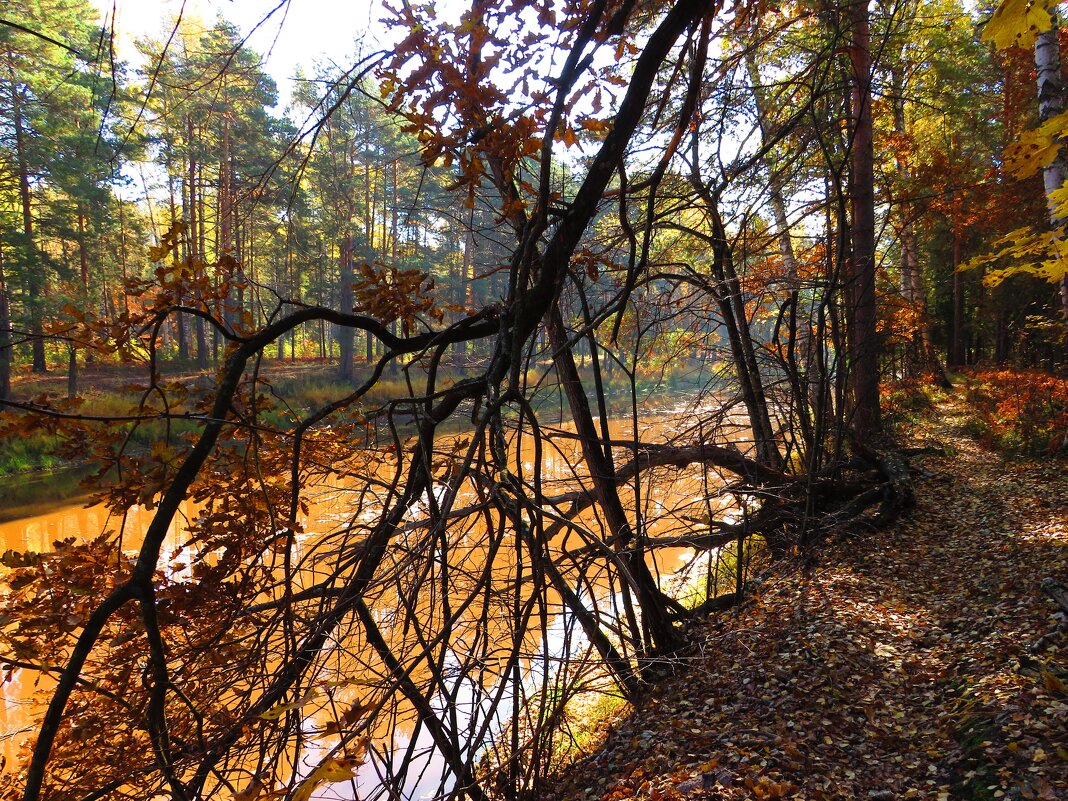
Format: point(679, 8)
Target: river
point(34, 519)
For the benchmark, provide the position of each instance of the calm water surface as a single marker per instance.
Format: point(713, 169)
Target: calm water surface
point(36, 512)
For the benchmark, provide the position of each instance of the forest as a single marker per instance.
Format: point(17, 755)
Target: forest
point(434, 408)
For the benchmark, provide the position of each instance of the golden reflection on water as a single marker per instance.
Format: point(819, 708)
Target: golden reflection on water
point(486, 627)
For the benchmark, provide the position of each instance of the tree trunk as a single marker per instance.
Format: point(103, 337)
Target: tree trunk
point(122, 259)
point(196, 246)
point(189, 209)
point(345, 334)
point(956, 347)
point(863, 344)
point(654, 615)
point(921, 356)
point(467, 270)
point(228, 254)
point(72, 371)
point(5, 333)
point(226, 229)
point(728, 295)
point(1050, 104)
point(34, 272)
point(183, 252)
point(83, 269)
point(776, 189)
point(726, 290)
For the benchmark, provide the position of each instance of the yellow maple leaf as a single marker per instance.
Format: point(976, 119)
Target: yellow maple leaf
point(1018, 244)
point(1032, 151)
point(331, 770)
point(1017, 23)
point(1042, 254)
point(1059, 200)
point(1035, 149)
point(1054, 268)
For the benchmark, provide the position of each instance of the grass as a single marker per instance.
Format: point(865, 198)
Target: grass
point(319, 387)
point(716, 574)
point(293, 388)
point(107, 393)
point(39, 449)
point(29, 453)
point(587, 716)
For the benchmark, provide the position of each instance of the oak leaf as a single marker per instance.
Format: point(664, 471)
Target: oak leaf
point(332, 769)
point(1054, 683)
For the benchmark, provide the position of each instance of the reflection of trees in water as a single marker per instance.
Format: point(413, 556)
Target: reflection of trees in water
point(460, 603)
point(464, 637)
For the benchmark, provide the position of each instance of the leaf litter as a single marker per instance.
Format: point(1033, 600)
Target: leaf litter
point(920, 662)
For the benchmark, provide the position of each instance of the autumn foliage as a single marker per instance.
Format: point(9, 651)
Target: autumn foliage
point(1020, 411)
point(496, 231)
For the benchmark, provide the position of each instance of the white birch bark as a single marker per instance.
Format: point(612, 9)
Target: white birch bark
point(1050, 104)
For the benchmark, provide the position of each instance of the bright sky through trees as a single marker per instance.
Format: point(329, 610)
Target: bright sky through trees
point(288, 34)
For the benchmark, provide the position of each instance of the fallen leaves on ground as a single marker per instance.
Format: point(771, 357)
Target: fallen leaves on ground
point(919, 662)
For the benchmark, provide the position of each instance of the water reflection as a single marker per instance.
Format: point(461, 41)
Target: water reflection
point(432, 604)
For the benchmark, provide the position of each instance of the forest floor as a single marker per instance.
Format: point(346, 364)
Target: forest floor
point(923, 661)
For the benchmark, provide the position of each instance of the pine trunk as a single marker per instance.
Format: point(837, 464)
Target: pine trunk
point(956, 347)
point(863, 343)
point(197, 242)
point(921, 356)
point(5, 334)
point(345, 334)
point(776, 189)
point(35, 277)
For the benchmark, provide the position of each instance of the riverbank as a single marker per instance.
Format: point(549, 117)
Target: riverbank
point(295, 387)
point(924, 661)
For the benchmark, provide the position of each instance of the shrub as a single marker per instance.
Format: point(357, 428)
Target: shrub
point(1024, 412)
point(906, 400)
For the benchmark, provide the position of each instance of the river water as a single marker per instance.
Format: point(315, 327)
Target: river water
point(37, 516)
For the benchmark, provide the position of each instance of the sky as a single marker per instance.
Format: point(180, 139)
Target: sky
point(298, 32)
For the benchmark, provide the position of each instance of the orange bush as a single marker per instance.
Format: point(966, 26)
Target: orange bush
point(1021, 411)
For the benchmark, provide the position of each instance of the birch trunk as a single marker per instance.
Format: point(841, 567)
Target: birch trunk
point(1050, 104)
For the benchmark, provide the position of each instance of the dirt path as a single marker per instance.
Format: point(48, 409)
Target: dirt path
point(920, 662)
